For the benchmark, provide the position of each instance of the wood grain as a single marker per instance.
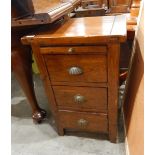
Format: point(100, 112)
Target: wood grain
point(58, 66)
point(75, 50)
point(94, 98)
point(113, 80)
point(97, 122)
point(79, 31)
point(98, 81)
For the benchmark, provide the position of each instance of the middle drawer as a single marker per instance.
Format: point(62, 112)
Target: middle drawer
point(81, 98)
point(77, 68)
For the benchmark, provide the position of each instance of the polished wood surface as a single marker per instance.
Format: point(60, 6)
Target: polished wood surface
point(95, 122)
point(95, 99)
point(73, 32)
point(131, 13)
point(74, 50)
point(113, 82)
point(103, 26)
point(100, 70)
point(89, 64)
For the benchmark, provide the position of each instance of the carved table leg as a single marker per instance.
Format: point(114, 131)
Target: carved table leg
point(21, 60)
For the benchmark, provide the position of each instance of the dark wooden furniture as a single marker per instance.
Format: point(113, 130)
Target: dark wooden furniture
point(26, 13)
point(119, 6)
point(37, 12)
point(130, 8)
point(85, 3)
point(90, 11)
point(26, 16)
point(133, 107)
point(79, 65)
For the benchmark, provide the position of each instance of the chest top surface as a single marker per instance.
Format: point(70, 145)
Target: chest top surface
point(83, 28)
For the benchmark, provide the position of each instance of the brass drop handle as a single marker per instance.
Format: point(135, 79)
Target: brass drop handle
point(79, 99)
point(70, 50)
point(75, 71)
point(82, 122)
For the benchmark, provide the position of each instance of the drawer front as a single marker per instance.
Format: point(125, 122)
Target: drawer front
point(81, 98)
point(73, 50)
point(77, 68)
point(92, 122)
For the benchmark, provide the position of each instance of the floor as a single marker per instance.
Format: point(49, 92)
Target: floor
point(33, 139)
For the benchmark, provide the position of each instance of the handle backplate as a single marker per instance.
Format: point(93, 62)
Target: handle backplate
point(79, 99)
point(75, 70)
point(82, 122)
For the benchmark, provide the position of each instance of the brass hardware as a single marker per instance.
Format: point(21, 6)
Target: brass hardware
point(70, 50)
point(75, 71)
point(79, 99)
point(82, 122)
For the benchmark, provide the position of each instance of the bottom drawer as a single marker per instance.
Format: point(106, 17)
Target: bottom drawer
point(81, 121)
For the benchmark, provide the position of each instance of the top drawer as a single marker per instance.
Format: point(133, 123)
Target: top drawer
point(74, 50)
point(77, 68)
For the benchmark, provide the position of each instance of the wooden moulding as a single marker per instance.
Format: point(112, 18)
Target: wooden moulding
point(74, 50)
point(44, 16)
point(108, 27)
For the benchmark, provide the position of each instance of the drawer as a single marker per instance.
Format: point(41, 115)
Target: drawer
point(80, 121)
point(73, 50)
point(77, 68)
point(81, 98)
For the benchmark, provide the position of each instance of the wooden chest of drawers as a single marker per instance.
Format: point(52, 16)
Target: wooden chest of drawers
point(79, 64)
